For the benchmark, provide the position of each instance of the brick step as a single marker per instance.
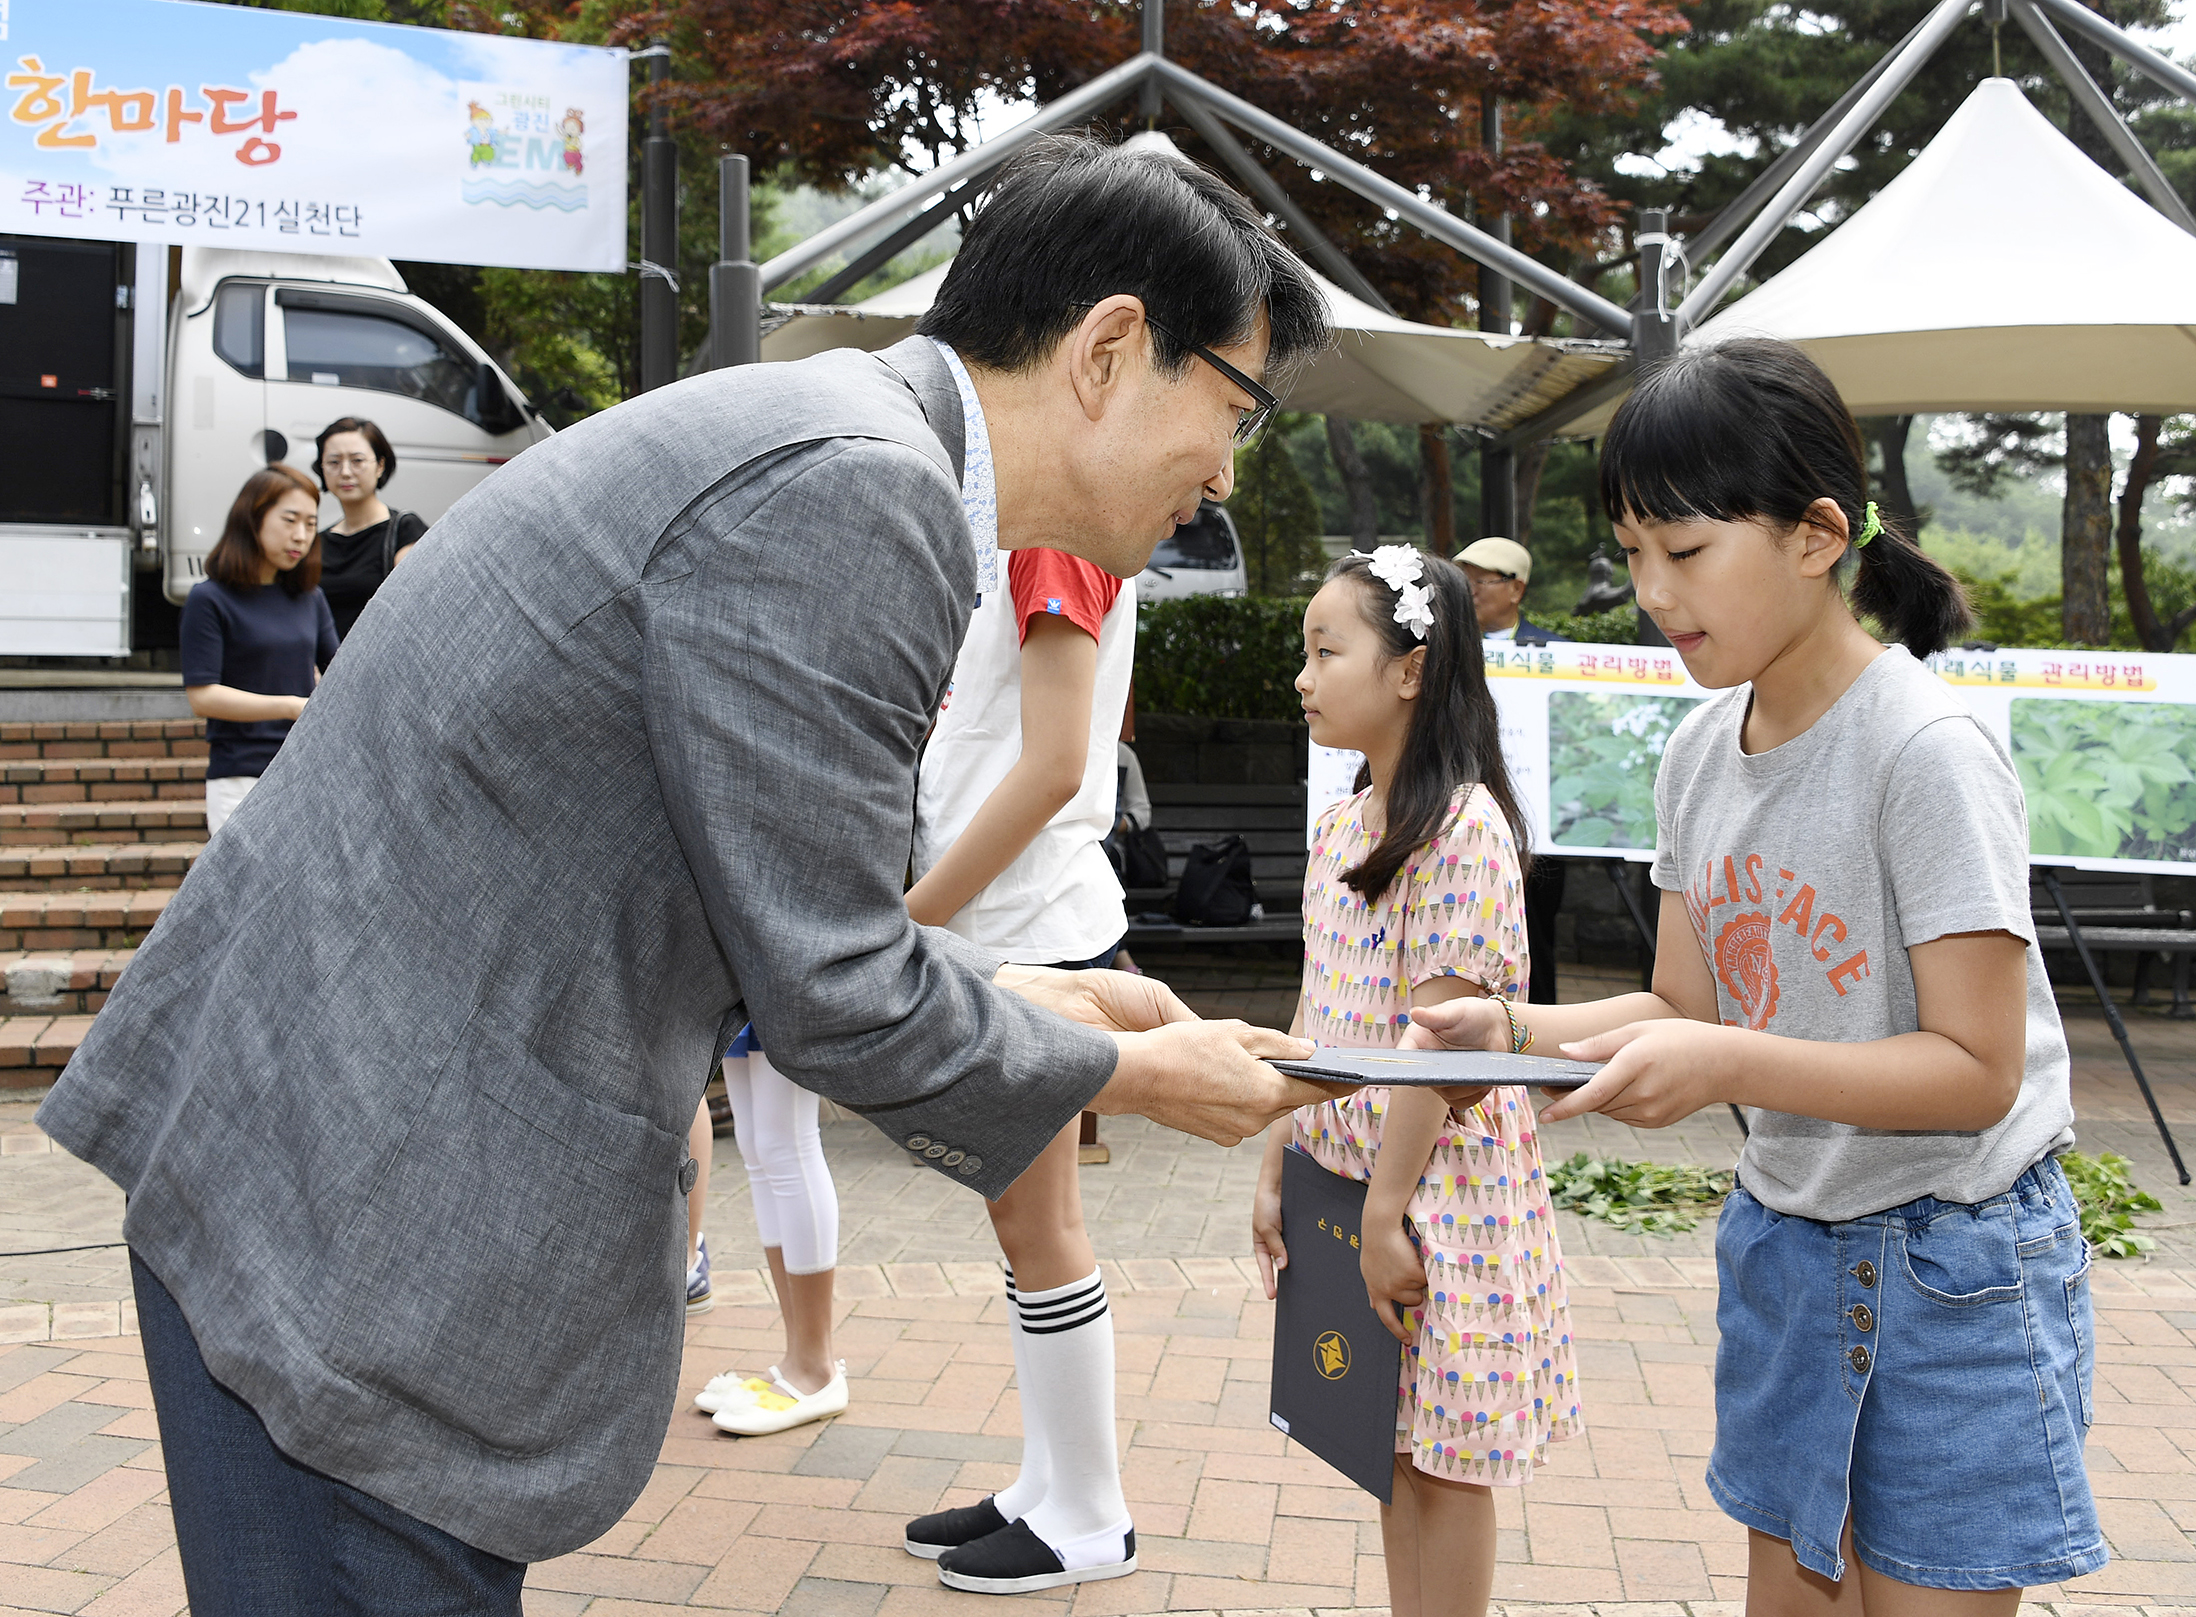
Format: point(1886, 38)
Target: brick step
point(61, 922)
point(100, 865)
point(131, 738)
point(101, 780)
point(71, 983)
point(34, 1048)
point(33, 825)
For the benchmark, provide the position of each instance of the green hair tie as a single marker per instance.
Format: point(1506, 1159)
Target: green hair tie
point(1870, 527)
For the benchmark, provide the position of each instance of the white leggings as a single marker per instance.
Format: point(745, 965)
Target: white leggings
point(796, 1205)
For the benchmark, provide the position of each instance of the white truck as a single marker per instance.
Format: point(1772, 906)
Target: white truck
point(132, 410)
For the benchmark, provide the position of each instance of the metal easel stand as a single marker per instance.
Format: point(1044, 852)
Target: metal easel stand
point(2112, 1015)
point(1618, 872)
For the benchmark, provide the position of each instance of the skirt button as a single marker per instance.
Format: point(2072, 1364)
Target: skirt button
point(1863, 1320)
point(1859, 1356)
point(1865, 1272)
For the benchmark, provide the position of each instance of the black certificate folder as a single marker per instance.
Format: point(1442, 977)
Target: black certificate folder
point(1336, 1370)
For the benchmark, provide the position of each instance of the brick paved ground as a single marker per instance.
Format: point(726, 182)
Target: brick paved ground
point(1230, 1516)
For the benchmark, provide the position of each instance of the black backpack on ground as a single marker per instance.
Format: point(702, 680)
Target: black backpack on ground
point(1216, 885)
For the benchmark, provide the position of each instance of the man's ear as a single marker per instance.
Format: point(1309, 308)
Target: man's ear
point(1824, 534)
point(1103, 351)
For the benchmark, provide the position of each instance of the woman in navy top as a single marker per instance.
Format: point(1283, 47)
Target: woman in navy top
point(251, 653)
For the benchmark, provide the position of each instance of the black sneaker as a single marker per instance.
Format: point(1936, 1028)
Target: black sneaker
point(931, 1536)
point(1015, 1560)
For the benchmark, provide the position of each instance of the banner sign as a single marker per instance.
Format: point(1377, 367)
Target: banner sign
point(220, 126)
point(2104, 742)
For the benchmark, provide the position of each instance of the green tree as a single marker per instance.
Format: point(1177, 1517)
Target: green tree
point(1276, 515)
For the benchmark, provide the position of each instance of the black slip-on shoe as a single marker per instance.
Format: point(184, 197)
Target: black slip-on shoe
point(931, 1536)
point(1014, 1561)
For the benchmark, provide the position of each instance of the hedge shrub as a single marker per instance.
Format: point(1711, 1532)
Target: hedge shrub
point(1238, 657)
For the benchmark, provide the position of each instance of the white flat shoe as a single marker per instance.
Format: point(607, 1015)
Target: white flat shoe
point(733, 1388)
point(779, 1407)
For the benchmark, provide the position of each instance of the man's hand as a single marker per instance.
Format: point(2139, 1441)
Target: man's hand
point(1209, 1079)
point(1658, 1072)
point(1458, 1024)
point(1394, 1272)
point(1115, 1001)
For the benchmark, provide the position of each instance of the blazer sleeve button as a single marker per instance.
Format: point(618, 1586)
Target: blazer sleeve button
point(918, 1142)
point(970, 1166)
point(936, 1149)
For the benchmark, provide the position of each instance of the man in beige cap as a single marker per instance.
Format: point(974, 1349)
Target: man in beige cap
point(1499, 570)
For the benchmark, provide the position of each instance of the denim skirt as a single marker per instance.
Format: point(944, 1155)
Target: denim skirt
point(1925, 1369)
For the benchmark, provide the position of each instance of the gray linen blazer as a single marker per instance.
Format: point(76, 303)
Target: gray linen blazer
point(399, 1086)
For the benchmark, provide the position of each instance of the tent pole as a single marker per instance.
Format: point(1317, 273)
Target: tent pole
point(2081, 20)
point(1421, 214)
point(1154, 20)
point(1579, 401)
point(1093, 97)
point(735, 306)
point(891, 247)
point(1655, 330)
point(1735, 213)
point(1314, 241)
point(2090, 97)
point(1907, 61)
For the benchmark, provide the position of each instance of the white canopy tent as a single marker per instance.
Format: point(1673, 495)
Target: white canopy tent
point(1381, 368)
point(2003, 270)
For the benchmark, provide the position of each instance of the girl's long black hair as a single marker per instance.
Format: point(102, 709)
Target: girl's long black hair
point(1751, 430)
point(1455, 734)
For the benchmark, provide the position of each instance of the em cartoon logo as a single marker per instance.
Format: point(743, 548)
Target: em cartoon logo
point(520, 153)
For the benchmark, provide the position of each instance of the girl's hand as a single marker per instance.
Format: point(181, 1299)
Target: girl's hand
point(1266, 1245)
point(1657, 1072)
point(1458, 1024)
point(1394, 1272)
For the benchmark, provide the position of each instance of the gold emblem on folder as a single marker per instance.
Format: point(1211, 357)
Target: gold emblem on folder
point(1331, 1355)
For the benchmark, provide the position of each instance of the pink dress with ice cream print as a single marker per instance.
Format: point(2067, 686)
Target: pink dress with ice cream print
point(1492, 1378)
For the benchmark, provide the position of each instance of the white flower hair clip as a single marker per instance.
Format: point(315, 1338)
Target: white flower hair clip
point(1401, 567)
point(1414, 609)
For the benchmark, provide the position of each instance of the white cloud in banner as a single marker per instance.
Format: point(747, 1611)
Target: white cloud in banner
point(383, 125)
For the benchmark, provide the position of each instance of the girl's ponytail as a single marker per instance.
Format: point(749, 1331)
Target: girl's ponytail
point(1906, 591)
point(1752, 430)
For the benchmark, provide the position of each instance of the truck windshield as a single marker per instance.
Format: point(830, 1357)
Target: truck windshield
point(1201, 544)
point(338, 348)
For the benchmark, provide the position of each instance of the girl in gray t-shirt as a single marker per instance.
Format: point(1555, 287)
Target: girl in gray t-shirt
point(1903, 1376)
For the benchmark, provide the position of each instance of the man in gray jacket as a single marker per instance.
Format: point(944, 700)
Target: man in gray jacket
point(399, 1085)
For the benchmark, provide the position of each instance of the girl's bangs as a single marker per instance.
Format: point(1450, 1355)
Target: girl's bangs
point(1679, 451)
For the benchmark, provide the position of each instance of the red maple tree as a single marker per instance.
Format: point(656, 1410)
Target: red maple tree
point(831, 91)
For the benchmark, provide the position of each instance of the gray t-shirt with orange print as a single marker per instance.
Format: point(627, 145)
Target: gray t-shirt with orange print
point(1810, 869)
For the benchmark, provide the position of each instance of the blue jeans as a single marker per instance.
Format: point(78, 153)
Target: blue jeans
point(1926, 1370)
point(262, 1536)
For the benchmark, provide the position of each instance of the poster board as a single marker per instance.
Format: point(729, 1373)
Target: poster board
point(223, 126)
point(2104, 743)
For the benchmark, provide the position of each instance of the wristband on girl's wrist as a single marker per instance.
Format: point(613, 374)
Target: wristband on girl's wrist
point(1521, 1036)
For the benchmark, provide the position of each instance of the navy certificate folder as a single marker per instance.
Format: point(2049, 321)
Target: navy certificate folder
point(1336, 1370)
point(1441, 1069)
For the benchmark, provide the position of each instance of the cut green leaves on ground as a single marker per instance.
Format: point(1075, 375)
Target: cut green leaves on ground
point(2109, 1201)
point(1643, 1197)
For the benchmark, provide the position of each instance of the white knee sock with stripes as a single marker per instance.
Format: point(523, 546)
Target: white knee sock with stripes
point(1064, 1363)
point(1027, 1491)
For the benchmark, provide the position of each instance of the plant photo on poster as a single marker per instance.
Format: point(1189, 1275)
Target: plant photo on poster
point(1603, 752)
point(2108, 780)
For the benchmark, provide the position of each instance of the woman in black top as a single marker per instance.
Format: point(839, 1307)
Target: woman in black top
point(251, 653)
point(354, 463)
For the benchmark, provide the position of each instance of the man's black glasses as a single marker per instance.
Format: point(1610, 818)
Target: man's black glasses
point(1252, 420)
